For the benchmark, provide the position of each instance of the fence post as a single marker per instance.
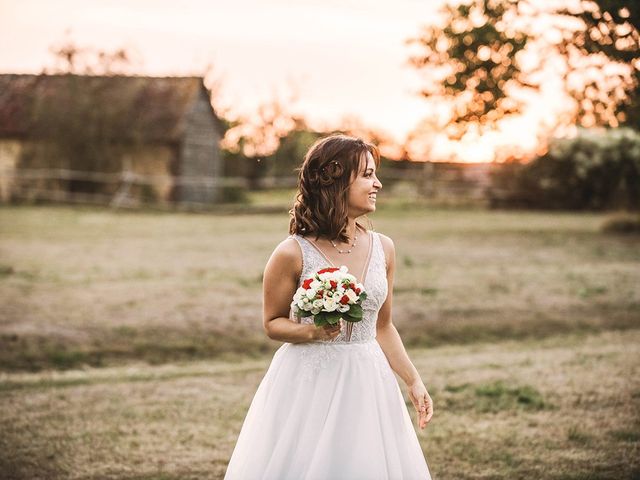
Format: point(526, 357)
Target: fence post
point(122, 194)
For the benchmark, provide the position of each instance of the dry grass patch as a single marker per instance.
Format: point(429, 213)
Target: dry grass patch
point(97, 287)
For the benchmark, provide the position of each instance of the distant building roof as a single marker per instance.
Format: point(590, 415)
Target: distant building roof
point(158, 106)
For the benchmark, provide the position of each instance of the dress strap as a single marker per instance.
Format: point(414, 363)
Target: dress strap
point(303, 250)
point(379, 250)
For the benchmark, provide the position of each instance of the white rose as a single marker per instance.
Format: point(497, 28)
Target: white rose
point(350, 277)
point(343, 308)
point(330, 304)
point(352, 296)
point(317, 303)
point(310, 293)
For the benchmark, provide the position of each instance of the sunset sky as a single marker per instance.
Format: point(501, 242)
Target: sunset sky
point(343, 58)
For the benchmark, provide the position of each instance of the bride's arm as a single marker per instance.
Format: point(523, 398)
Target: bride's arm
point(393, 348)
point(280, 283)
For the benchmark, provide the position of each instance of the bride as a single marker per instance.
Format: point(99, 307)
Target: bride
point(329, 406)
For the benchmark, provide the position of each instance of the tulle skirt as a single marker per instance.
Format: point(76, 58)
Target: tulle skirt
point(328, 411)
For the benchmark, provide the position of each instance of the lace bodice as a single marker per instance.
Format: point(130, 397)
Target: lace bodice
point(375, 284)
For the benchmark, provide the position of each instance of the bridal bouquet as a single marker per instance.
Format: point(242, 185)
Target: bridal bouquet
point(331, 294)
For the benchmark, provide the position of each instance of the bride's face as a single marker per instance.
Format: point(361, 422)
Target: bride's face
point(362, 192)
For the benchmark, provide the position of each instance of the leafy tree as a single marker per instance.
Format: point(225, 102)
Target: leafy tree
point(479, 61)
point(470, 62)
point(610, 28)
point(264, 144)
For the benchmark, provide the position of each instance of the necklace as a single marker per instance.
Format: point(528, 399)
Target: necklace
point(355, 239)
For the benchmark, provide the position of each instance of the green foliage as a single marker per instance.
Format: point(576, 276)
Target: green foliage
point(493, 397)
point(282, 163)
point(234, 163)
point(498, 396)
point(355, 313)
point(147, 193)
point(290, 153)
point(590, 171)
point(234, 195)
point(470, 62)
point(326, 318)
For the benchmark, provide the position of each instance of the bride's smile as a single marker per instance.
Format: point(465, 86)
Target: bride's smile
point(364, 189)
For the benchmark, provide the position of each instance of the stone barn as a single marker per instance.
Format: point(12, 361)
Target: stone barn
point(124, 138)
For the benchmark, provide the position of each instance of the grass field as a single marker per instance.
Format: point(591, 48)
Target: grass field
point(525, 326)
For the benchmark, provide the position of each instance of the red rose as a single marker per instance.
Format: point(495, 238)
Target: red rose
point(357, 290)
point(307, 284)
point(328, 270)
point(344, 300)
point(334, 285)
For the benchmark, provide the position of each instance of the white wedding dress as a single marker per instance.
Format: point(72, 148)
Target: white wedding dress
point(331, 410)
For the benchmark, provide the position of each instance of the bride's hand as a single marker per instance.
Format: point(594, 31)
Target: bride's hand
point(422, 402)
point(327, 332)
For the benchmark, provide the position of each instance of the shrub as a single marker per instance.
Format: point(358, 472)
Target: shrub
point(594, 170)
point(234, 195)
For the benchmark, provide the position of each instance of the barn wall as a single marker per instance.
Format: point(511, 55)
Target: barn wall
point(200, 154)
point(154, 162)
point(9, 155)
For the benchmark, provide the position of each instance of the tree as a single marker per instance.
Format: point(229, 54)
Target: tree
point(491, 50)
point(257, 141)
point(610, 28)
point(470, 63)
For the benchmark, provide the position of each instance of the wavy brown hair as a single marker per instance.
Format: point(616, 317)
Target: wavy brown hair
point(330, 166)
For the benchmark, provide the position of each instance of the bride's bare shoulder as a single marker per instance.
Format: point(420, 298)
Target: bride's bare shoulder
point(289, 248)
point(288, 256)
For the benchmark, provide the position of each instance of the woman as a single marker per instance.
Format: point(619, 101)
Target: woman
point(331, 408)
